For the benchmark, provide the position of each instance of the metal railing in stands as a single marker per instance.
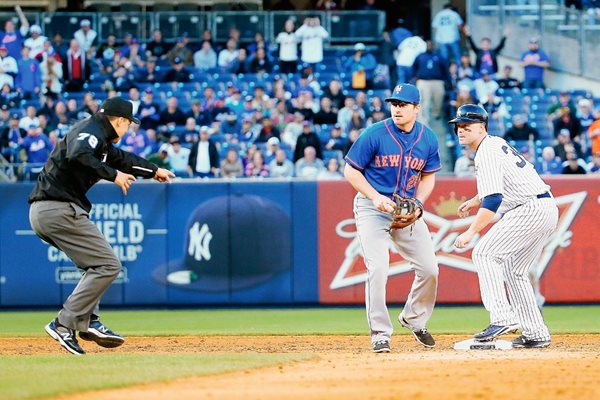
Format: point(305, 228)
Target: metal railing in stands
point(13, 172)
point(343, 26)
point(568, 36)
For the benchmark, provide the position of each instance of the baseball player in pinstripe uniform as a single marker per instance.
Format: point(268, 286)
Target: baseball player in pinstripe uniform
point(507, 184)
point(395, 156)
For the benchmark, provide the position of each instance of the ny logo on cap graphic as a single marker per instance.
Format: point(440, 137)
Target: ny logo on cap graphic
point(398, 89)
point(199, 246)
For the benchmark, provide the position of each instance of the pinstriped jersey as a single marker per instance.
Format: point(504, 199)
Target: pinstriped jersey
point(500, 168)
point(393, 161)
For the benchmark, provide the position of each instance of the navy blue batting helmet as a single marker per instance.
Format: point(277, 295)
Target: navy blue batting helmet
point(470, 114)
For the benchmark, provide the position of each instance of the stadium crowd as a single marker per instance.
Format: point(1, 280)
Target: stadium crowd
point(286, 109)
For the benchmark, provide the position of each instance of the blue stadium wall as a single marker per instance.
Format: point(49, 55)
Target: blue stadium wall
point(180, 244)
point(276, 243)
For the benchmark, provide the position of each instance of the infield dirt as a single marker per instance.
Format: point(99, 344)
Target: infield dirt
point(345, 368)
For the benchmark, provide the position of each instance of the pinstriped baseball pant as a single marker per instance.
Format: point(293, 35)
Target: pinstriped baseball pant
point(505, 255)
point(415, 245)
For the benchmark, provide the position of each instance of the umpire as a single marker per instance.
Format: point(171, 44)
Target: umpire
point(59, 214)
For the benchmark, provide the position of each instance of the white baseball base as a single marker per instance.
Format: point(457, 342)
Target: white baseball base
point(472, 344)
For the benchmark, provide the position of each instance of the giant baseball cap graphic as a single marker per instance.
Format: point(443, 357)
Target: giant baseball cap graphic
point(232, 243)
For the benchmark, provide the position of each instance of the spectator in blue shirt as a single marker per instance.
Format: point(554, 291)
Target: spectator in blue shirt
point(534, 62)
point(230, 124)
point(12, 38)
point(136, 141)
point(361, 61)
point(149, 110)
point(28, 80)
point(201, 116)
point(125, 49)
point(431, 74)
point(37, 148)
point(548, 164)
point(11, 138)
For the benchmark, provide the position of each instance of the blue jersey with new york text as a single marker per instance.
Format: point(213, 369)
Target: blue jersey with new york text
point(393, 161)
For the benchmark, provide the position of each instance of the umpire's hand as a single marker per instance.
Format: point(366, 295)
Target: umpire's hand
point(164, 175)
point(124, 180)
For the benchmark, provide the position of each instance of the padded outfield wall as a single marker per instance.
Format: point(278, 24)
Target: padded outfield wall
point(266, 243)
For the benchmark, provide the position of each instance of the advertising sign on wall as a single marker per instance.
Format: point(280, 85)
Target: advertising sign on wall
point(569, 266)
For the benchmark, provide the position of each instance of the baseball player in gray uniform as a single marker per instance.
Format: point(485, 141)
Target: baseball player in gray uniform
point(507, 184)
point(398, 155)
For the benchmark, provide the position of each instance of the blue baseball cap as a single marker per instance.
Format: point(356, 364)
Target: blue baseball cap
point(218, 257)
point(406, 93)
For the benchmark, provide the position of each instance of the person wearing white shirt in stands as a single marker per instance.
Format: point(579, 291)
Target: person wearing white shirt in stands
point(281, 166)
point(206, 57)
point(30, 119)
point(485, 85)
point(408, 50)
point(288, 48)
point(447, 24)
point(36, 41)
point(178, 157)
point(8, 68)
point(86, 36)
point(312, 34)
point(332, 172)
point(227, 56)
point(309, 166)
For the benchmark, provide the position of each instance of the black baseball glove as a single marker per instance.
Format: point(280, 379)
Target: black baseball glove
point(406, 212)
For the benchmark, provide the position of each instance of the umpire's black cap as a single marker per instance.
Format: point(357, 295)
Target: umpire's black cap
point(119, 107)
point(470, 114)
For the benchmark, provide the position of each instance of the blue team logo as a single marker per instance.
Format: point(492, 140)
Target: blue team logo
point(398, 89)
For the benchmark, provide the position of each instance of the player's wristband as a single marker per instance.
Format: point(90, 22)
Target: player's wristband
point(420, 206)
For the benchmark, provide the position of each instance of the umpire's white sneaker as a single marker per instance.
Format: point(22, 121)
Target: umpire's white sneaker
point(100, 334)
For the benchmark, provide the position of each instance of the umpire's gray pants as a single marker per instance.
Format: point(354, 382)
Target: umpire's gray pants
point(68, 227)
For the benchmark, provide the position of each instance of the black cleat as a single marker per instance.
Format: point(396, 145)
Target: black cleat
point(100, 334)
point(523, 343)
point(493, 331)
point(65, 336)
point(421, 335)
point(382, 346)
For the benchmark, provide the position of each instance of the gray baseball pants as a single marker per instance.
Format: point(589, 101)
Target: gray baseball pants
point(68, 227)
point(415, 245)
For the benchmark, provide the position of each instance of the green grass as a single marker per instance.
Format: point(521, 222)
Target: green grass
point(313, 321)
point(26, 377)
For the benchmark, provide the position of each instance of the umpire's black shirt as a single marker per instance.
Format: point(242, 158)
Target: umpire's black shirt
point(82, 158)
